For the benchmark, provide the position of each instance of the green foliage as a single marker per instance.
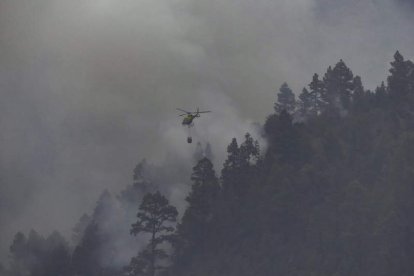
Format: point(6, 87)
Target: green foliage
point(95, 252)
point(286, 143)
point(360, 100)
point(305, 103)
point(238, 168)
point(196, 223)
point(285, 99)
point(338, 87)
point(316, 90)
point(37, 256)
point(142, 184)
point(333, 195)
point(156, 217)
point(86, 256)
point(399, 85)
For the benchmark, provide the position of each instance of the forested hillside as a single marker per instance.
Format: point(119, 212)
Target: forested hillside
point(332, 194)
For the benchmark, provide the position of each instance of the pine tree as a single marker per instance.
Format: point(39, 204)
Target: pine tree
point(359, 99)
point(204, 192)
point(316, 90)
point(156, 217)
point(104, 210)
point(140, 264)
point(142, 183)
point(195, 226)
point(249, 152)
point(237, 169)
point(79, 229)
point(399, 80)
point(57, 257)
point(285, 100)
point(37, 256)
point(305, 104)
point(19, 255)
point(410, 65)
point(36, 247)
point(86, 258)
point(231, 162)
point(91, 255)
point(338, 84)
point(285, 144)
point(381, 95)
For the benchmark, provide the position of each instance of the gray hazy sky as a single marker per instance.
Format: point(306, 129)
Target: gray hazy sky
point(90, 87)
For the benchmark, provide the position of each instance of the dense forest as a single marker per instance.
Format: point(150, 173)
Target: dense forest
point(332, 194)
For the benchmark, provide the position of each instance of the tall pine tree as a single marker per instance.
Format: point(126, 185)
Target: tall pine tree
point(285, 100)
point(399, 82)
point(237, 170)
point(359, 97)
point(316, 90)
point(305, 104)
point(338, 84)
point(157, 218)
point(194, 229)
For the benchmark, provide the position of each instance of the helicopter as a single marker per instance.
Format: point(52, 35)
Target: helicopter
point(188, 119)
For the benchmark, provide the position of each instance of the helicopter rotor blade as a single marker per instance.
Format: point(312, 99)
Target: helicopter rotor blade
point(182, 110)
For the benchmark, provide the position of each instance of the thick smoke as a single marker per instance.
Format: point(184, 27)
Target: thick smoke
point(90, 87)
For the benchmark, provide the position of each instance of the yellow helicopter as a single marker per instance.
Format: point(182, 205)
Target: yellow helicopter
point(188, 119)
